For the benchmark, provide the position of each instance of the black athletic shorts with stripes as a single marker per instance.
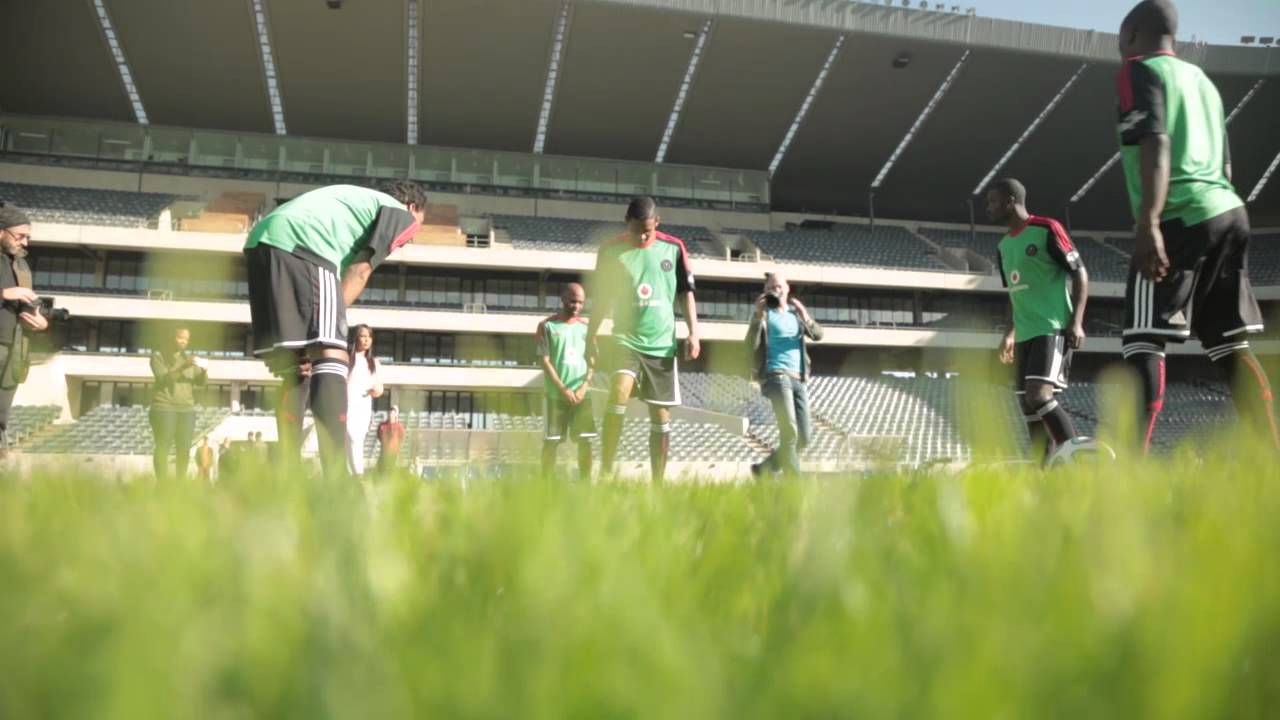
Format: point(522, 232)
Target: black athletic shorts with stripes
point(1206, 293)
point(295, 300)
point(1044, 359)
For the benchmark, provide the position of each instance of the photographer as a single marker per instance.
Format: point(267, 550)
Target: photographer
point(779, 329)
point(173, 402)
point(19, 313)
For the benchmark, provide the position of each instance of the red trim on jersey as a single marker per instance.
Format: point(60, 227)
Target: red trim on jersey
point(684, 252)
point(1124, 85)
point(1058, 232)
point(404, 237)
point(1022, 227)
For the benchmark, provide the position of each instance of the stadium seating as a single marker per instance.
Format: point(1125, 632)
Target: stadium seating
point(1105, 262)
point(569, 235)
point(1264, 260)
point(114, 430)
point(81, 206)
point(26, 421)
point(885, 246)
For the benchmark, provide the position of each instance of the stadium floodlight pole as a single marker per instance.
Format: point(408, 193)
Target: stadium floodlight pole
point(1035, 124)
point(814, 89)
point(683, 94)
point(924, 115)
point(553, 77)
point(268, 65)
point(122, 65)
point(1088, 185)
point(1266, 176)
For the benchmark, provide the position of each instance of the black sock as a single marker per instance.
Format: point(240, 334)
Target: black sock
point(1056, 422)
point(1151, 372)
point(659, 446)
point(1041, 445)
point(329, 406)
point(1250, 390)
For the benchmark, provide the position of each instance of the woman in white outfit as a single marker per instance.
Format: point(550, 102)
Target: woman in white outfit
point(363, 385)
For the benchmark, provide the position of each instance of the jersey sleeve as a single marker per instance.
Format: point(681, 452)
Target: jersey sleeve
point(1141, 103)
point(392, 228)
point(1061, 249)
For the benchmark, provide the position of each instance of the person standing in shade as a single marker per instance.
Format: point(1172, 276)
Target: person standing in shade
point(18, 313)
point(562, 350)
point(390, 438)
point(776, 335)
point(173, 403)
point(204, 460)
point(363, 386)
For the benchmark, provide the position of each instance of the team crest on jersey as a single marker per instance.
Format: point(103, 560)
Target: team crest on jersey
point(667, 266)
point(1032, 251)
point(645, 291)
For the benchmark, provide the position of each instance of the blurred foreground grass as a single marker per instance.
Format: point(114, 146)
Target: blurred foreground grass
point(1123, 591)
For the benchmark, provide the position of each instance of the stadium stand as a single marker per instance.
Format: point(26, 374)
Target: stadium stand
point(116, 430)
point(570, 235)
point(82, 206)
point(1264, 259)
point(885, 246)
point(28, 421)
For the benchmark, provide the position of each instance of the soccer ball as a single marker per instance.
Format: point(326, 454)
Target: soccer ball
point(1081, 450)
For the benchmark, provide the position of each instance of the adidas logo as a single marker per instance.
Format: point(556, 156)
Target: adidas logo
point(1179, 318)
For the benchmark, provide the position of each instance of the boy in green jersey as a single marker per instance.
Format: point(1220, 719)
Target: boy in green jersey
point(562, 350)
point(1190, 270)
point(307, 261)
point(640, 275)
point(1048, 289)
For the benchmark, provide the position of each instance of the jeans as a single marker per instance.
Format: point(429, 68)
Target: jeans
point(173, 430)
point(790, 399)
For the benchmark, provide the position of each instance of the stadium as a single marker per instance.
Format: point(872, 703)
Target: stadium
point(848, 145)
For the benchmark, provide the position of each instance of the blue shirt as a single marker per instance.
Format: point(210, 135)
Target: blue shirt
point(785, 349)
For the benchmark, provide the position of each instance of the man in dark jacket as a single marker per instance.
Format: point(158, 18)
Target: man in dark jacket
point(18, 314)
point(779, 329)
point(173, 403)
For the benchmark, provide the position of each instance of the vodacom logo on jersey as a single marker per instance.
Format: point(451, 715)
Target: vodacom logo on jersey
point(644, 292)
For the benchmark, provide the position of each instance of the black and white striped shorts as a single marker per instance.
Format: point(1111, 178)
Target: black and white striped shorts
point(295, 302)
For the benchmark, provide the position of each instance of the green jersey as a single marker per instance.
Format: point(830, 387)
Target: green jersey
point(1162, 95)
point(337, 224)
point(1035, 264)
point(643, 282)
point(563, 341)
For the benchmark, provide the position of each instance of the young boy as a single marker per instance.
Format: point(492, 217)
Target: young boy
point(562, 348)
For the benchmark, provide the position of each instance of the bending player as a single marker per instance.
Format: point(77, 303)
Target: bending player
point(1190, 265)
point(562, 349)
point(639, 277)
point(1048, 289)
point(308, 260)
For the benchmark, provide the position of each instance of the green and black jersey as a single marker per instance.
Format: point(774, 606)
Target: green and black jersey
point(563, 341)
point(643, 282)
point(1035, 264)
point(337, 224)
point(1162, 95)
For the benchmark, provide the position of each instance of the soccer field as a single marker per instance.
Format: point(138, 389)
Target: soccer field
point(1122, 591)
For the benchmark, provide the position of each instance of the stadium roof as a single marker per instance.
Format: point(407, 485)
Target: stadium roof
point(484, 70)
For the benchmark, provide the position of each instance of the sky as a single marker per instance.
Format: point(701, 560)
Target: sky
point(1217, 21)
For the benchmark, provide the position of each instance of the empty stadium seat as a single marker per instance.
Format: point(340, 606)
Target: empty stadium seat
point(82, 206)
point(884, 246)
point(114, 430)
point(1106, 263)
point(570, 235)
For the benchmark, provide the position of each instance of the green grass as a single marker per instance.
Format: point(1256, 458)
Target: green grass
point(1123, 591)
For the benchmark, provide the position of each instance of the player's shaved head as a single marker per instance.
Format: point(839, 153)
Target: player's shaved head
point(1152, 18)
point(642, 208)
point(573, 290)
point(1011, 188)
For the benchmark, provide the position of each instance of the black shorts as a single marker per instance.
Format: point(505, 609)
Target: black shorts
point(295, 301)
point(657, 378)
point(567, 422)
point(1206, 292)
point(1044, 359)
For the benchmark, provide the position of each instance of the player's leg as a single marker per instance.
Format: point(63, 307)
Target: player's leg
point(1041, 446)
point(659, 441)
point(292, 399)
point(184, 428)
point(281, 291)
point(1039, 400)
point(622, 384)
point(329, 407)
point(162, 438)
point(583, 430)
point(553, 433)
point(1046, 361)
point(1226, 313)
point(1150, 310)
point(585, 459)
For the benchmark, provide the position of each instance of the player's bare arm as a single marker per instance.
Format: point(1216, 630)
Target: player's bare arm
point(693, 344)
point(1149, 251)
point(355, 279)
point(549, 370)
point(1079, 298)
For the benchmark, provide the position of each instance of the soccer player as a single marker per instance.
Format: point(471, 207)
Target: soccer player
point(639, 277)
point(1048, 290)
point(308, 260)
point(562, 349)
point(1190, 267)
